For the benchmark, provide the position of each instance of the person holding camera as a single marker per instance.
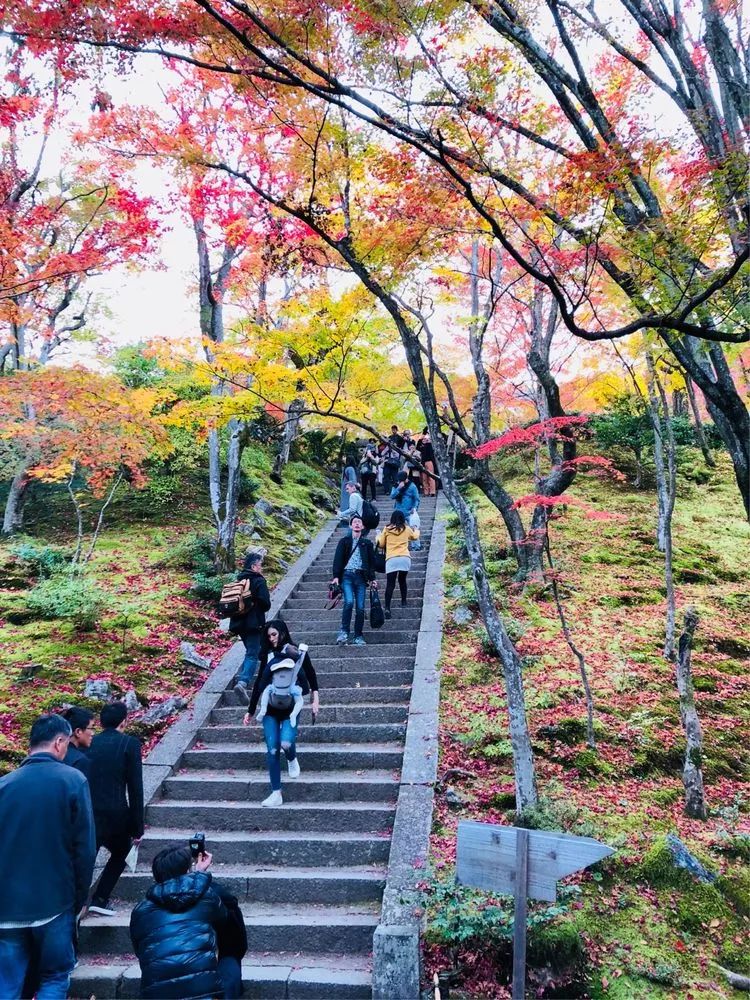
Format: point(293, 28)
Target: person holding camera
point(188, 933)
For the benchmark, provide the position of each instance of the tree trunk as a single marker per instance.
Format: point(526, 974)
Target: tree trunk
point(692, 773)
point(291, 429)
point(226, 534)
point(523, 760)
point(712, 375)
point(700, 433)
point(638, 468)
point(665, 461)
point(15, 503)
point(590, 737)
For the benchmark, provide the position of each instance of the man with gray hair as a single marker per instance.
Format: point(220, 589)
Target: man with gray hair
point(46, 863)
point(249, 625)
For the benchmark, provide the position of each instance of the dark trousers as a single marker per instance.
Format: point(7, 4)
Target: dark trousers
point(230, 974)
point(390, 586)
point(390, 478)
point(369, 479)
point(118, 843)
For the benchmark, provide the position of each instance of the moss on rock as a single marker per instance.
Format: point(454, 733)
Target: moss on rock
point(556, 946)
point(698, 907)
point(736, 888)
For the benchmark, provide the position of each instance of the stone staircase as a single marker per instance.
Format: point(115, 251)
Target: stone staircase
point(310, 875)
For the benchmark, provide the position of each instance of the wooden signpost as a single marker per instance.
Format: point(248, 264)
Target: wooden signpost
point(524, 863)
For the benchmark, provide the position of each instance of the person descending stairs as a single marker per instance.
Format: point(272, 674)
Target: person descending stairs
point(310, 874)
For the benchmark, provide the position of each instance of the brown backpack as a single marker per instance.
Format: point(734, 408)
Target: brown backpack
point(236, 598)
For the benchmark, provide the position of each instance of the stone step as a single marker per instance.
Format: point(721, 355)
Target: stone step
point(349, 695)
point(311, 786)
point(323, 817)
point(282, 884)
point(295, 605)
point(318, 578)
point(346, 929)
point(285, 847)
point(396, 637)
point(339, 756)
point(302, 620)
point(365, 678)
point(385, 652)
point(329, 713)
point(281, 976)
point(334, 732)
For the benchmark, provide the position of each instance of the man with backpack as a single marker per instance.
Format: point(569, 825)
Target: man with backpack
point(354, 569)
point(248, 618)
point(392, 459)
point(368, 468)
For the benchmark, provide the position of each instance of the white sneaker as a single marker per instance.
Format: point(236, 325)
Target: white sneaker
point(103, 911)
point(274, 799)
point(294, 768)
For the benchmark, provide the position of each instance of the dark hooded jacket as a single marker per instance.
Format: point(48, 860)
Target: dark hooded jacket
point(178, 932)
point(254, 619)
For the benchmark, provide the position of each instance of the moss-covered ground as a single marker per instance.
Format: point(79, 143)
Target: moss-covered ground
point(144, 567)
point(647, 932)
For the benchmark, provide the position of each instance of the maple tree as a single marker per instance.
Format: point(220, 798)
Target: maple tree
point(85, 430)
point(55, 232)
point(592, 202)
point(657, 219)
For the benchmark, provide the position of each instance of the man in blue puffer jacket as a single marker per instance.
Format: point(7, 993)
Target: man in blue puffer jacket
point(188, 933)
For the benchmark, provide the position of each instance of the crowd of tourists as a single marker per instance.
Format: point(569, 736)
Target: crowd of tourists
point(79, 790)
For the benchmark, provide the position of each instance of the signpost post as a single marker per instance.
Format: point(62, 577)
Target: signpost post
point(524, 863)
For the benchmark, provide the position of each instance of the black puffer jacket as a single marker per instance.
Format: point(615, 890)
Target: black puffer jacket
point(175, 931)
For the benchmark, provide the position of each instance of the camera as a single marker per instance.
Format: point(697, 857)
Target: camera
point(197, 844)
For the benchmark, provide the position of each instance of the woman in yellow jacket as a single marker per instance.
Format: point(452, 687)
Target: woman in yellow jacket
point(394, 540)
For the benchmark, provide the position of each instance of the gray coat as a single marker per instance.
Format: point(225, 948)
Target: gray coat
point(49, 846)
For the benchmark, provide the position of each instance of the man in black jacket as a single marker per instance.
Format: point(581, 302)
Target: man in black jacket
point(249, 627)
point(46, 863)
point(188, 933)
point(82, 723)
point(354, 569)
point(116, 780)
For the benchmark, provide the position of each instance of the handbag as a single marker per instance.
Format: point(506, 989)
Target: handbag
point(378, 562)
point(377, 617)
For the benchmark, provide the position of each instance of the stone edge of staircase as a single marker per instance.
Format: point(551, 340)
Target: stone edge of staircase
point(396, 943)
point(166, 755)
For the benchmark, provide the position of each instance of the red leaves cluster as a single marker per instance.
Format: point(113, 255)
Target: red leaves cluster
point(552, 429)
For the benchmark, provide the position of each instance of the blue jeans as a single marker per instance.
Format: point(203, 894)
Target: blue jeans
point(48, 949)
point(354, 585)
point(280, 735)
point(250, 663)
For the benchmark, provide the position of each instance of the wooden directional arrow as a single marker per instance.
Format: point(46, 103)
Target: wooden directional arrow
point(525, 863)
point(486, 858)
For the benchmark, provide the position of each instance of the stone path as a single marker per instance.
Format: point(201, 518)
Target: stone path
point(310, 875)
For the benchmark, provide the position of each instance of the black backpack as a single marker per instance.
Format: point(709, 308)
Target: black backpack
point(370, 514)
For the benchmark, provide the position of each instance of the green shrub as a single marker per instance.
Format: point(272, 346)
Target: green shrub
point(193, 552)
point(42, 560)
point(163, 489)
point(71, 597)
point(208, 586)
